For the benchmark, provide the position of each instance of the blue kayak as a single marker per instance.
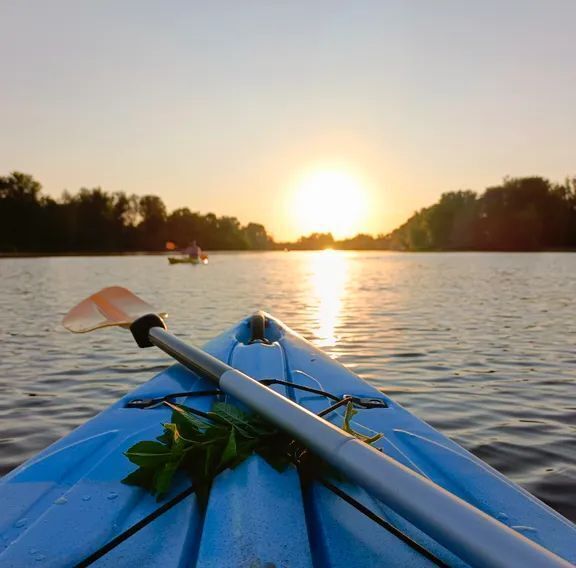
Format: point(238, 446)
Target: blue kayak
point(68, 502)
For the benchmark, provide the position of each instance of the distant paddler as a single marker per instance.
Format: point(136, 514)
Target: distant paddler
point(192, 254)
point(193, 251)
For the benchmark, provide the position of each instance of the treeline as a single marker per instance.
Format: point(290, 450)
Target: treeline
point(528, 213)
point(521, 214)
point(93, 220)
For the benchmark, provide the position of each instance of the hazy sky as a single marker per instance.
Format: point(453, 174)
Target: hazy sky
point(221, 106)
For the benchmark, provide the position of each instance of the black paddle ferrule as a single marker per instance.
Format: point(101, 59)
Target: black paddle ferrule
point(141, 327)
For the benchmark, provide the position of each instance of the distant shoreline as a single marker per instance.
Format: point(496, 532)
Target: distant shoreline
point(217, 252)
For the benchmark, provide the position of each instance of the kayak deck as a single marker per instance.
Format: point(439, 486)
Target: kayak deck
point(68, 501)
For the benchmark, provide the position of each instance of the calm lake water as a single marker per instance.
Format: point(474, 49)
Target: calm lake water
point(482, 346)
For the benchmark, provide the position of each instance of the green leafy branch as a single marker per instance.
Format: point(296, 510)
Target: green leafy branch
point(204, 446)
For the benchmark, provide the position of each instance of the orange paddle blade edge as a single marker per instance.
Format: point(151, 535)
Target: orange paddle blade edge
point(113, 306)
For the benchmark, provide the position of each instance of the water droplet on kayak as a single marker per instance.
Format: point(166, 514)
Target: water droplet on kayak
point(112, 495)
point(502, 517)
point(33, 551)
point(61, 501)
point(39, 557)
point(86, 498)
point(21, 523)
point(525, 530)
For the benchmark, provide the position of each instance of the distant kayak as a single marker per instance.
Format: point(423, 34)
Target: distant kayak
point(187, 260)
point(68, 505)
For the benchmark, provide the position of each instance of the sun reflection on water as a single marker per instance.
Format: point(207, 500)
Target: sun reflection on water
point(329, 273)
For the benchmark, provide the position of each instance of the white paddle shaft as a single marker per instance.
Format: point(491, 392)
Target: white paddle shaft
point(470, 534)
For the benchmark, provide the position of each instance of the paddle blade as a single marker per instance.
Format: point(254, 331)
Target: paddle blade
point(114, 306)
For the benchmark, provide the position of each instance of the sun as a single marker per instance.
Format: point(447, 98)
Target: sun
point(329, 201)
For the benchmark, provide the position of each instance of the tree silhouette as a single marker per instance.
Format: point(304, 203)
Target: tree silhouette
point(93, 220)
point(520, 214)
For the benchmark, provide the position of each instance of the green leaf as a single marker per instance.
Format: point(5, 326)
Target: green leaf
point(217, 433)
point(189, 424)
point(237, 418)
point(163, 478)
point(230, 452)
point(142, 477)
point(148, 454)
point(177, 442)
point(262, 426)
point(210, 461)
point(165, 438)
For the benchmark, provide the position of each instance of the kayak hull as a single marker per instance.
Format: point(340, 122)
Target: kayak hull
point(187, 260)
point(68, 501)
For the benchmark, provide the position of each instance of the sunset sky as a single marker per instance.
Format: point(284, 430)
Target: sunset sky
point(273, 111)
